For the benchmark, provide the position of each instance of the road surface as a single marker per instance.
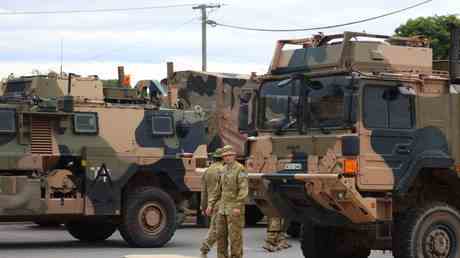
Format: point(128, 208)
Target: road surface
point(30, 241)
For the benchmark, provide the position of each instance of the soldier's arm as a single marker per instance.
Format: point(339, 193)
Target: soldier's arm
point(204, 192)
point(215, 195)
point(243, 188)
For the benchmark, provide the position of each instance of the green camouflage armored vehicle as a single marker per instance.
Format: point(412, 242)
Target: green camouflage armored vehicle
point(358, 140)
point(218, 96)
point(97, 159)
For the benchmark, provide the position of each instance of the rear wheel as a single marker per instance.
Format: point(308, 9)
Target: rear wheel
point(432, 231)
point(149, 218)
point(91, 231)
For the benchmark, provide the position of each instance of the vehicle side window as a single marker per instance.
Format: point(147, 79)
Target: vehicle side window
point(8, 118)
point(85, 123)
point(375, 108)
point(386, 107)
point(400, 110)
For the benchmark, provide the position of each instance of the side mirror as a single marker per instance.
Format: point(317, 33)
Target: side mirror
point(244, 116)
point(407, 91)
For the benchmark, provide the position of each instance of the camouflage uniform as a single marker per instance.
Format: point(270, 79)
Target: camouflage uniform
point(209, 183)
point(231, 192)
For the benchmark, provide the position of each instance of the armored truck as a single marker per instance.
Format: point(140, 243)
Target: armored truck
point(96, 159)
point(359, 139)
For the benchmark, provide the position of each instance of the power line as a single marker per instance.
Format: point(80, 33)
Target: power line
point(101, 10)
point(214, 23)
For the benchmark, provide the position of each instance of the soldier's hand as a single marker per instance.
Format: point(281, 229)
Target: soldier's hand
point(236, 212)
point(208, 211)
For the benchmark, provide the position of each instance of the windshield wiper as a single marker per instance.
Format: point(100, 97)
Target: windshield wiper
point(286, 126)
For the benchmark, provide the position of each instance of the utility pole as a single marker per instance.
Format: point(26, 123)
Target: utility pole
point(62, 56)
point(204, 20)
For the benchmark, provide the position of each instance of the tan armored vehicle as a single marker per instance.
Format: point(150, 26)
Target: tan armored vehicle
point(97, 159)
point(359, 138)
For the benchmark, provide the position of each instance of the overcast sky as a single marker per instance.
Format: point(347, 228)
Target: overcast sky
point(143, 41)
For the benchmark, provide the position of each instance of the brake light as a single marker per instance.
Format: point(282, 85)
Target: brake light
point(350, 166)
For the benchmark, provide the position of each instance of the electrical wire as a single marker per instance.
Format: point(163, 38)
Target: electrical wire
point(101, 10)
point(214, 23)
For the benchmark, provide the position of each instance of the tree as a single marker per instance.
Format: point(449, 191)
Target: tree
point(436, 28)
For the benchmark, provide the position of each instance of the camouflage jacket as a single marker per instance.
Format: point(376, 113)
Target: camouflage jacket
point(209, 182)
point(232, 189)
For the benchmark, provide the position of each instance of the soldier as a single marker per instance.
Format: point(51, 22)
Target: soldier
point(208, 183)
point(230, 195)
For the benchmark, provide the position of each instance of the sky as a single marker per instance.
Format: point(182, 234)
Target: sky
point(143, 41)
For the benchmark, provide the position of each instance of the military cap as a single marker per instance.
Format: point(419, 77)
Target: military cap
point(227, 150)
point(217, 153)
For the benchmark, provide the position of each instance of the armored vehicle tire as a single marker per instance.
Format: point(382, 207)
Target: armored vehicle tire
point(91, 231)
point(323, 242)
point(429, 231)
point(149, 218)
point(294, 229)
point(253, 215)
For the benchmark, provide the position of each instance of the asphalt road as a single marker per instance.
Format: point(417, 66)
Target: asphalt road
point(29, 241)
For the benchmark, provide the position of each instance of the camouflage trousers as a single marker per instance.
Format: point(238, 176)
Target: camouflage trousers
point(230, 229)
point(276, 237)
point(211, 237)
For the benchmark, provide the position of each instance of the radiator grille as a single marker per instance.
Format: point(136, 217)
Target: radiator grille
point(41, 136)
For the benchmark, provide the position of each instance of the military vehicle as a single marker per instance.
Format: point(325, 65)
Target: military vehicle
point(97, 159)
point(219, 97)
point(357, 138)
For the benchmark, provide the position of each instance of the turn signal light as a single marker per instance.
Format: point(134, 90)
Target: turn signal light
point(350, 166)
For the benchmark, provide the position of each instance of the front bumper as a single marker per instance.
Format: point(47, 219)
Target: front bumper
point(325, 199)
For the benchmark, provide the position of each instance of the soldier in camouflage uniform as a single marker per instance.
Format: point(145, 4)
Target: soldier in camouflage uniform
point(209, 182)
point(230, 194)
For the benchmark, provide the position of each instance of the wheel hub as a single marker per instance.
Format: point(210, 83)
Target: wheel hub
point(152, 218)
point(438, 244)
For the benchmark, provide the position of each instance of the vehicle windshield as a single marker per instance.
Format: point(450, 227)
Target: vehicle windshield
point(281, 107)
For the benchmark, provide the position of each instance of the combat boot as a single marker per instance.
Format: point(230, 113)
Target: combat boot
point(270, 247)
point(284, 244)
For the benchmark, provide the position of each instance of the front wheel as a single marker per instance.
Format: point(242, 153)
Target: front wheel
point(331, 242)
point(91, 231)
point(432, 231)
point(149, 218)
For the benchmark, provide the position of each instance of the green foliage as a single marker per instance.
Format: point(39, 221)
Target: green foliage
point(436, 28)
